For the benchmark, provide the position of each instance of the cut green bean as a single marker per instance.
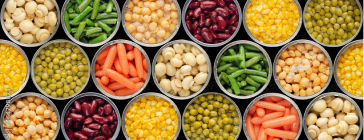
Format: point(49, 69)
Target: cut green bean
point(109, 7)
point(257, 67)
point(243, 83)
point(93, 31)
point(70, 10)
point(242, 52)
point(78, 2)
point(67, 22)
point(105, 27)
point(72, 16)
point(252, 82)
point(232, 58)
point(246, 92)
point(232, 52)
point(234, 85)
point(102, 7)
point(243, 76)
point(95, 9)
point(98, 39)
point(69, 5)
point(86, 17)
point(252, 61)
point(84, 4)
point(80, 30)
point(82, 15)
point(258, 79)
point(253, 54)
point(89, 22)
point(252, 88)
point(222, 64)
point(222, 82)
point(239, 79)
point(261, 63)
point(114, 9)
point(231, 70)
point(266, 65)
point(251, 48)
point(95, 34)
point(109, 21)
point(77, 10)
point(229, 90)
point(106, 15)
point(82, 35)
point(255, 72)
point(224, 77)
point(224, 67)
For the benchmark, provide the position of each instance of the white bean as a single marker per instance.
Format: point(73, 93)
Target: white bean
point(166, 84)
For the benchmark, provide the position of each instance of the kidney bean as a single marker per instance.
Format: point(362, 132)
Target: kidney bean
point(223, 35)
point(213, 16)
point(222, 12)
point(226, 31)
point(221, 21)
point(112, 128)
point(197, 31)
point(198, 37)
point(93, 107)
point(229, 10)
point(221, 3)
point(108, 109)
point(208, 22)
point(233, 29)
point(207, 10)
point(84, 99)
point(233, 19)
point(194, 5)
point(106, 131)
point(218, 41)
point(208, 4)
point(73, 110)
point(187, 17)
point(68, 112)
point(236, 24)
point(99, 138)
point(197, 12)
point(115, 123)
point(77, 124)
point(99, 119)
point(69, 133)
point(79, 135)
point(114, 115)
point(213, 33)
point(190, 13)
point(77, 105)
point(215, 27)
point(110, 118)
point(189, 25)
point(234, 9)
point(88, 120)
point(202, 20)
point(205, 33)
point(94, 126)
point(77, 117)
point(68, 123)
point(88, 132)
point(195, 25)
point(86, 109)
point(101, 111)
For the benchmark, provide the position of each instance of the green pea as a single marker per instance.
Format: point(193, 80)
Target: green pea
point(77, 89)
point(73, 56)
point(213, 113)
point(59, 84)
point(43, 83)
point(76, 50)
point(47, 53)
point(54, 94)
point(48, 91)
point(37, 79)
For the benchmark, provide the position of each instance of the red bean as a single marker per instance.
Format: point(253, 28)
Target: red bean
point(226, 31)
point(223, 35)
point(221, 21)
point(115, 123)
point(88, 132)
point(77, 106)
point(99, 119)
point(229, 10)
point(88, 120)
point(68, 123)
point(234, 9)
point(109, 138)
point(197, 12)
point(108, 109)
point(195, 25)
point(101, 111)
point(221, 3)
point(208, 22)
point(99, 138)
point(218, 41)
point(106, 131)
point(187, 17)
point(69, 133)
point(190, 13)
point(110, 118)
point(112, 128)
point(233, 29)
point(236, 24)
point(233, 19)
point(73, 110)
point(208, 10)
point(68, 112)
point(94, 126)
point(213, 16)
point(208, 4)
point(84, 99)
point(215, 27)
point(77, 124)
point(213, 33)
point(197, 31)
point(189, 25)
point(205, 33)
point(77, 117)
point(86, 109)
point(79, 135)
point(93, 109)
point(114, 115)
point(202, 20)
point(222, 12)
point(198, 37)
point(194, 5)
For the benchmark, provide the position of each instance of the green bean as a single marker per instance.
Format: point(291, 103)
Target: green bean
point(232, 53)
point(72, 16)
point(243, 76)
point(222, 82)
point(229, 90)
point(110, 5)
point(252, 82)
point(261, 63)
point(74, 30)
point(69, 5)
point(252, 88)
point(93, 31)
point(67, 21)
point(221, 64)
point(86, 17)
point(258, 79)
point(78, 2)
point(252, 54)
point(224, 67)
point(82, 15)
point(257, 67)
point(77, 9)
point(106, 15)
point(242, 52)
point(91, 3)
point(231, 70)
point(84, 40)
point(95, 34)
point(98, 39)
point(224, 77)
point(80, 30)
point(89, 22)
point(265, 62)
point(73, 1)
point(232, 58)
point(234, 85)
point(243, 83)
point(239, 79)
point(95, 9)
point(104, 26)
point(255, 72)
point(114, 9)
point(251, 48)
point(109, 21)
point(252, 61)
point(84, 4)
point(246, 92)
point(102, 7)
point(267, 69)
point(70, 10)
point(220, 77)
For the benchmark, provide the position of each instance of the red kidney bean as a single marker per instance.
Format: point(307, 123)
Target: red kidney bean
point(236, 24)
point(197, 31)
point(207, 10)
point(77, 106)
point(108, 109)
point(101, 111)
point(189, 25)
point(194, 5)
point(84, 99)
point(187, 17)
point(215, 27)
point(198, 37)
point(68, 123)
point(77, 124)
point(208, 22)
point(233, 19)
point(106, 131)
point(234, 9)
point(88, 120)
point(222, 12)
point(227, 31)
point(229, 10)
point(79, 135)
point(69, 133)
point(88, 132)
point(93, 107)
point(73, 110)
point(197, 12)
point(213, 33)
point(115, 123)
point(218, 41)
point(114, 115)
point(208, 4)
point(110, 118)
point(223, 35)
point(233, 29)
point(112, 128)
point(213, 16)
point(86, 109)
point(99, 138)
point(99, 119)
point(195, 25)
point(205, 33)
point(221, 21)
point(221, 3)
point(202, 20)
point(94, 126)
point(190, 13)
point(77, 117)
point(68, 112)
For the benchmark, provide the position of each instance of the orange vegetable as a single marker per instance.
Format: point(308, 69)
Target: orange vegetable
point(145, 64)
point(145, 75)
point(105, 80)
point(270, 137)
point(295, 125)
point(287, 113)
point(99, 73)
point(267, 111)
point(117, 65)
point(120, 78)
point(260, 120)
point(268, 99)
point(250, 127)
point(269, 105)
point(279, 122)
point(132, 70)
point(138, 62)
point(104, 87)
point(130, 55)
point(284, 103)
point(252, 109)
point(126, 91)
point(122, 58)
point(280, 133)
point(103, 54)
point(101, 62)
point(276, 99)
point(129, 47)
point(262, 135)
point(117, 85)
point(97, 67)
point(110, 58)
point(276, 138)
point(260, 112)
point(256, 129)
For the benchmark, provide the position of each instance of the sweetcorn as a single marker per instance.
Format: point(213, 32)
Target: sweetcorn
point(13, 69)
point(272, 21)
point(350, 69)
point(151, 118)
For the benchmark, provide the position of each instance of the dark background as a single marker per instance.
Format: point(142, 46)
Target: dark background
point(212, 52)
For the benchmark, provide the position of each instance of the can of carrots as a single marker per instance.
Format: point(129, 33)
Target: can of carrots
point(120, 69)
point(272, 116)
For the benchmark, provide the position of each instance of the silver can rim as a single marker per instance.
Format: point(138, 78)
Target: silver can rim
point(26, 79)
point(277, 95)
point(95, 44)
point(336, 94)
point(185, 7)
point(276, 44)
point(148, 44)
point(215, 93)
point(335, 67)
point(231, 45)
point(291, 94)
point(146, 95)
point(33, 44)
point(88, 94)
point(343, 43)
point(94, 63)
point(33, 74)
point(26, 94)
point(207, 61)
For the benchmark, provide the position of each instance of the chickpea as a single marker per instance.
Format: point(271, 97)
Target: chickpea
point(315, 63)
point(40, 110)
point(141, 28)
point(139, 36)
point(131, 28)
point(130, 5)
point(136, 17)
point(295, 88)
point(47, 114)
point(304, 82)
point(146, 18)
point(165, 24)
point(38, 100)
point(278, 69)
point(288, 88)
point(12, 108)
point(281, 63)
point(19, 114)
point(316, 89)
point(282, 75)
point(161, 33)
point(137, 10)
point(128, 17)
point(160, 13)
point(289, 61)
point(152, 6)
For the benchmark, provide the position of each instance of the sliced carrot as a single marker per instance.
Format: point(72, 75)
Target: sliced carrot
point(276, 99)
point(101, 62)
point(295, 125)
point(110, 58)
point(105, 80)
point(262, 135)
point(117, 85)
point(280, 133)
point(97, 67)
point(250, 127)
point(252, 109)
point(126, 91)
point(104, 87)
point(103, 53)
point(129, 47)
point(145, 75)
point(268, 99)
point(284, 103)
point(120, 78)
point(260, 120)
point(130, 55)
point(287, 113)
point(132, 70)
point(138, 62)
point(279, 122)
point(117, 65)
point(145, 64)
point(100, 73)
point(260, 112)
point(269, 105)
point(256, 129)
point(122, 58)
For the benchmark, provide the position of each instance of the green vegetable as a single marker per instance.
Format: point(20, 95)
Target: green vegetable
point(253, 54)
point(232, 52)
point(257, 66)
point(258, 79)
point(72, 16)
point(93, 31)
point(104, 26)
point(234, 85)
point(243, 83)
point(81, 15)
point(109, 21)
point(229, 90)
point(251, 48)
point(252, 61)
point(77, 10)
point(224, 77)
point(67, 22)
point(109, 7)
point(252, 82)
point(239, 79)
point(243, 76)
point(246, 92)
point(71, 10)
point(222, 82)
point(221, 64)
point(78, 2)
point(224, 67)
point(98, 39)
point(107, 15)
point(242, 52)
point(232, 70)
point(90, 23)
point(95, 34)
point(252, 88)
point(84, 40)
point(232, 58)
point(80, 30)
point(95, 9)
point(69, 5)
point(102, 7)
point(84, 4)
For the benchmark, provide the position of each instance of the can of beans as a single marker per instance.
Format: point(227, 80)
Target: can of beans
point(307, 56)
point(325, 96)
point(3, 9)
point(5, 112)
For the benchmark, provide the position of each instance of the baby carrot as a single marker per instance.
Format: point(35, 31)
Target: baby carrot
point(295, 125)
point(145, 65)
point(269, 105)
point(110, 58)
point(126, 91)
point(268, 99)
point(130, 55)
point(117, 85)
point(138, 62)
point(260, 112)
point(284, 103)
point(280, 133)
point(276, 138)
point(129, 47)
point(117, 65)
point(287, 113)
point(120, 78)
point(99, 73)
point(122, 58)
point(256, 129)
point(270, 137)
point(145, 75)
point(132, 70)
point(104, 87)
point(250, 127)
point(101, 62)
point(276, 99)
point(97, 67)
point(252, 109)
point(103, 53)
point(278, 122)
point(260, 120)
point(105, 80)
point(267, 111)
point(262, 135)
